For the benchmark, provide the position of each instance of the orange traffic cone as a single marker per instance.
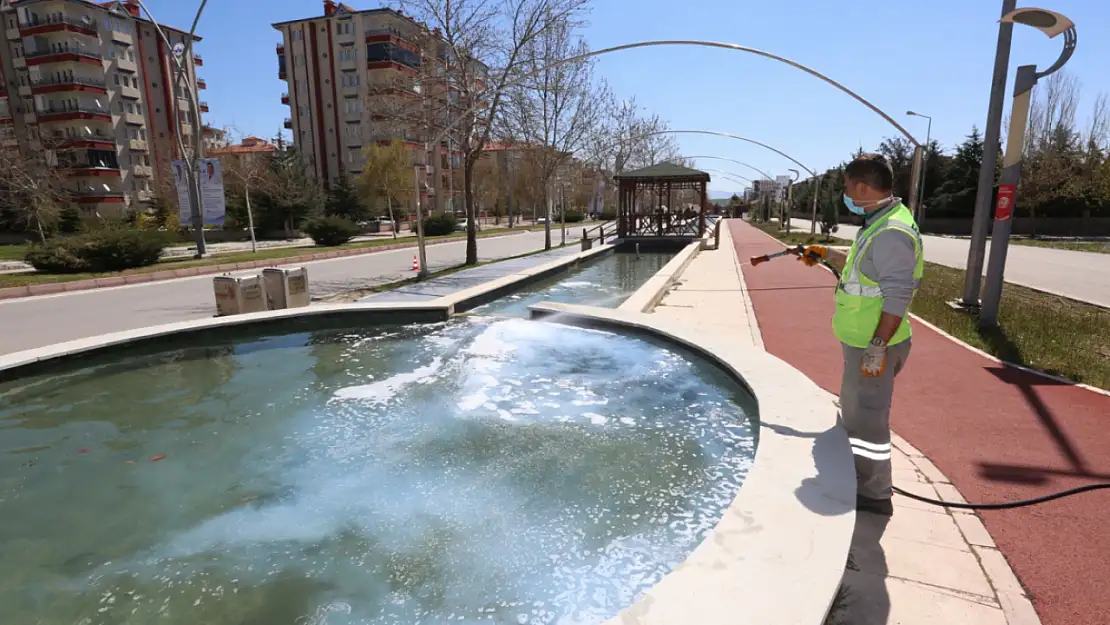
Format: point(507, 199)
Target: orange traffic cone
point(415, 263)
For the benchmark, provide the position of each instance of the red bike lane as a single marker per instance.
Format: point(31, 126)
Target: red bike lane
point(998, 433)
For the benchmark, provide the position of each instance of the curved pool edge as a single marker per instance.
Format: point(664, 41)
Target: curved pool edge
point(779, 551)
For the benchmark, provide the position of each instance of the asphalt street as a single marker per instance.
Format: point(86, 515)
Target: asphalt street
point(1083, 276)
point(38, 321)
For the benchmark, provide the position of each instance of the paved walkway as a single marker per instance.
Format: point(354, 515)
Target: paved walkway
point(446, 285)
point(998, 433)
point(1079, 275)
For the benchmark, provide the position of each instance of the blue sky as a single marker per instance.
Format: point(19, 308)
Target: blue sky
point(934, 57)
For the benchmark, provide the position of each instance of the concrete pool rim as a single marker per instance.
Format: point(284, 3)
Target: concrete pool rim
point(778, 553)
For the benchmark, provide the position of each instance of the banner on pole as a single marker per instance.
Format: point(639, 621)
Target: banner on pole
point(181, 183)
point(1005, 206)
point(212, 191)
point(212, 198)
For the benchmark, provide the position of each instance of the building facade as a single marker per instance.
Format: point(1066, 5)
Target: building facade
point(358, 77)
point(89, 86)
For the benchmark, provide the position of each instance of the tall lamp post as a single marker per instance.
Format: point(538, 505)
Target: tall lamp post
point(924, 167)
point(790, 197)
point(1051, 24)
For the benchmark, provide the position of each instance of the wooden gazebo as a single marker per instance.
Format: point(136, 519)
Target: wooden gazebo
point(660, 218)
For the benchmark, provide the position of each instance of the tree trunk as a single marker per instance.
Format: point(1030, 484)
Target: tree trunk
point(547, 218)
point(471, 214)
point(392, 221)
point(42, 233)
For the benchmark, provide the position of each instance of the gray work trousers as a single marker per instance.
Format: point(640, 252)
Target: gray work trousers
point(865, 413)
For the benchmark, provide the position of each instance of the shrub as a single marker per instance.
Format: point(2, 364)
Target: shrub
point(440, 224)
point(331, 230)
point(572, 217)
point(104, 250)
point(608, 214)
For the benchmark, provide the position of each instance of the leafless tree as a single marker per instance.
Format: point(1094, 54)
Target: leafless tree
point(32, 190)
point(483, 44)
point(556, 109)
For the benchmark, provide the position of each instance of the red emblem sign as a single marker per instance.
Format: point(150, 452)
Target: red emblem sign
point(1005, 206)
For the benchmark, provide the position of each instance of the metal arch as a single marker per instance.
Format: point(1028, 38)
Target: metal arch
point(732, 160)
point(677, 42)
point(730, 136)
point(730, 175)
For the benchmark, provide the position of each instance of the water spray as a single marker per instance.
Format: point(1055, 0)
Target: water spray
point(817, 255)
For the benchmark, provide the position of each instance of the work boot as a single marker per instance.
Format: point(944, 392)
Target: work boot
point(882, 507)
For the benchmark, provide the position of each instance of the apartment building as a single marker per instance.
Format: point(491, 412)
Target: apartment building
point(357, 77)
point(89, 86)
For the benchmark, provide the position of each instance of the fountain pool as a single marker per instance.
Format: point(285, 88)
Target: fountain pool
point(475, 471)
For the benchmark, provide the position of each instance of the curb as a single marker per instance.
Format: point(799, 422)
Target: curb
point(1012, 597)
point(19, 292)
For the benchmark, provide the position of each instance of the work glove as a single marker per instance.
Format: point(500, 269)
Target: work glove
point(813, 254)
point(874, 361)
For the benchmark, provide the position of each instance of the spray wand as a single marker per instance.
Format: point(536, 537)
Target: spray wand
point(817, 255)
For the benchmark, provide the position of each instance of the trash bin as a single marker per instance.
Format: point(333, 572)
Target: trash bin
point(286, 288)
point(236, 296)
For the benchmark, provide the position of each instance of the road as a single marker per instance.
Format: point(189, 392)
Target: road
point(1083, 276)
point(38, 321)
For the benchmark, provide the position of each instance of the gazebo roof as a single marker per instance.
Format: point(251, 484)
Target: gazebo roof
point(664, 172)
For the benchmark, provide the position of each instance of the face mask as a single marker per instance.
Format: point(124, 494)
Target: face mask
point(856, 209)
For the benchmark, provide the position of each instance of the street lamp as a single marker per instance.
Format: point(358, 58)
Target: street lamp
point(790, 198)
point(920, 216)
point(1051, 24)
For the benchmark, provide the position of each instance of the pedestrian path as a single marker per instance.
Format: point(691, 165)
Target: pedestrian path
point(996, 432)
point(467, 278)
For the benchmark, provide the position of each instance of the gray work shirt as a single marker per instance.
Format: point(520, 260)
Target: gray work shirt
point(890, 260)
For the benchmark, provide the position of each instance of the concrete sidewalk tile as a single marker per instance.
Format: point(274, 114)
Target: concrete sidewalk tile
point(948, 492)
point(873, 600)
point(899, 460)
point(998, 571)
point(930, 470)
point(975, 533)
point(937, 566)
point(926, 527)
point(902, 445)
point(1018, 609)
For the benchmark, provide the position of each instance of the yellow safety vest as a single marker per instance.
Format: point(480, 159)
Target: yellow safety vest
point(859, 301)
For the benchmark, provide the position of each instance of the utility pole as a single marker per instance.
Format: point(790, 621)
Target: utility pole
point(977, 249)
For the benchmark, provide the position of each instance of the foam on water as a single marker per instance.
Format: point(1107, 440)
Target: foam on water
point(480, 471)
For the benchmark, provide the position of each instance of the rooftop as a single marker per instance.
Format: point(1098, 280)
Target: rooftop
point(126, 7)
point(664, 171)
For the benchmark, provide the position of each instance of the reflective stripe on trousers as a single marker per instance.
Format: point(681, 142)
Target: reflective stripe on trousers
point(865, 413)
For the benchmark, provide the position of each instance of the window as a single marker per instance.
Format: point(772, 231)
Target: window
point(347, 54)
point(130, 55)
point(354, 157)
point(138, 108)
point(350, 80)
point(130, 108)
point(142, 134)
point(352, 131)
point(354, 105)
point(115, 79)
point(120, 103)
point(344, 28)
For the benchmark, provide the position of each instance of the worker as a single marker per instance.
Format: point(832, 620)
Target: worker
point(880, 278)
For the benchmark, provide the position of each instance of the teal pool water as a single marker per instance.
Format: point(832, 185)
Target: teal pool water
point(475, 471)
point(606, 282)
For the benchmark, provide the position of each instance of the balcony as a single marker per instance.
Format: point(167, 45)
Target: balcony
point(288, 123)
point(129, 92)
point(390, 35)
point(89, 143)
point(76, 112)
point(136, 145)
point(19, 62)
point(125, 64)
point(201, 83)
point(281, 48)
point(198, 60)
point(69, 83)
point(64, 54)
point(98, 196)
point(203, 107)
point(58, 23)
point(285, 99)
point(13, 34)
point(119, 36)
point(142, 171)
point(89, 170)
point(133, 119)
